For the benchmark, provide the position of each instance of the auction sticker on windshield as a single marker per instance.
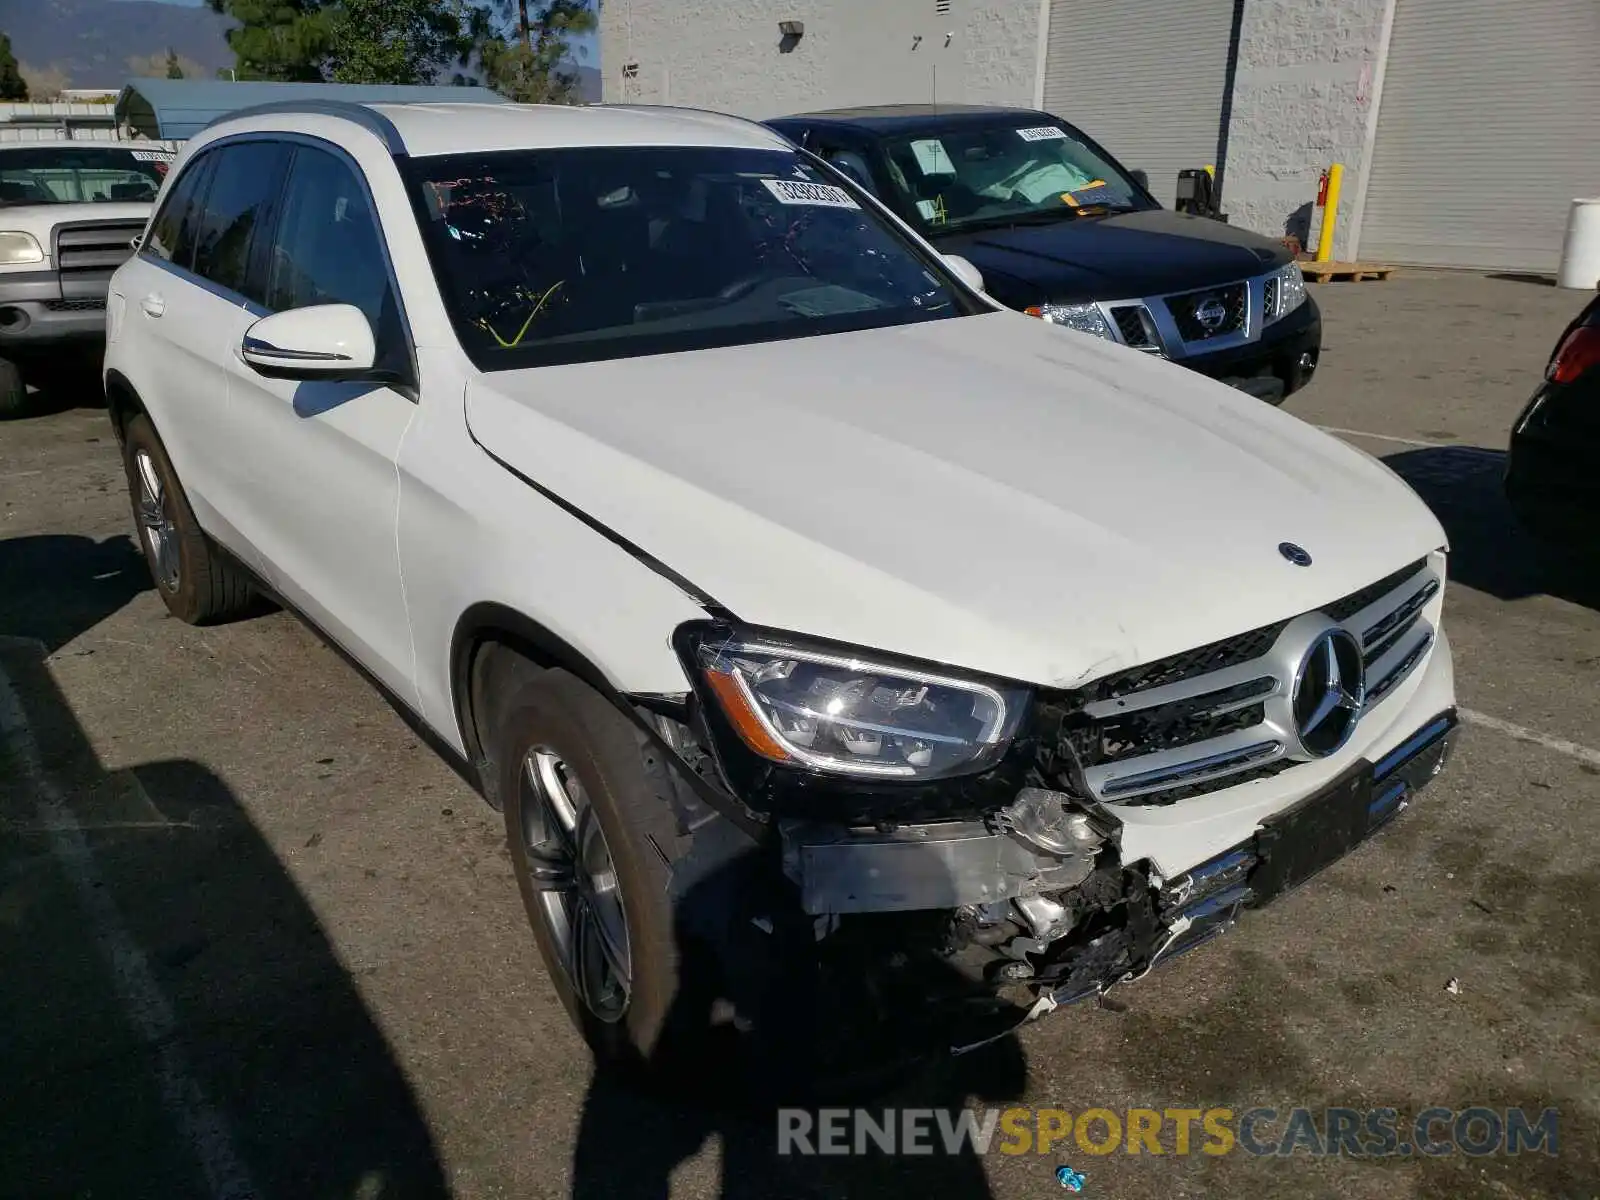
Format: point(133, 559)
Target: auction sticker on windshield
point(1042, 133)
point(165, 156)
point(790, 191)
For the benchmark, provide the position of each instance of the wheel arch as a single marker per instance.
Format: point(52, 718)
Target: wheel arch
point(489, 642)
point(123, 403)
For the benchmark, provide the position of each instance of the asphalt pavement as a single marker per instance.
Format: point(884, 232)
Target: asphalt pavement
point(255, 939)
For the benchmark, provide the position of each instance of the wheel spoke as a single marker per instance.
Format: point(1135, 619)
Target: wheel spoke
point(570, 868)
point(150, 482)
point(599, 881)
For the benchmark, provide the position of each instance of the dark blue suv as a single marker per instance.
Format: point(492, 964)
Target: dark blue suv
point(1060, 230)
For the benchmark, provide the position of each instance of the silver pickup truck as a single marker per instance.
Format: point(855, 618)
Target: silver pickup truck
point(69, 212)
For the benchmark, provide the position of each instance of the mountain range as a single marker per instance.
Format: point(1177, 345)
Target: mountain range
point(103, 43)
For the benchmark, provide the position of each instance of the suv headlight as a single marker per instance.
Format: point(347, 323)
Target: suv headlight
point(18, 248)
point(1289, 292)
point(853, 713)
point(1085, 318)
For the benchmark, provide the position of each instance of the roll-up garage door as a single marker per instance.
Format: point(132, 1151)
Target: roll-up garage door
point(1488, 127)
point(1144, 78)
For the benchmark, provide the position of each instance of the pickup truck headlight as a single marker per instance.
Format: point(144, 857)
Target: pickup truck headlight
point(18, 248)
point(854, 713)
point(1286, 291)
point(1085, 318)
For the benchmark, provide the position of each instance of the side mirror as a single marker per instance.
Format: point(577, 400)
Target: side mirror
point(1142, 178)
point(324, 341)
point(968, 274)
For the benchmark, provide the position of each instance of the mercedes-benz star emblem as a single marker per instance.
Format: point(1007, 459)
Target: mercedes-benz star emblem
point(1298, 555)
point(1330, 690)
point(1210, 312)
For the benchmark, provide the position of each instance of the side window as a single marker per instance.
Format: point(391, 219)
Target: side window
point(853, 164)
point(327, 250)
point(173, 233)
point(244, 185)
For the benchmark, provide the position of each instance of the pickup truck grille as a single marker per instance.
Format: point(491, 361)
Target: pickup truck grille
point(1221, 714)
point(1211, 312)
point(94, 246)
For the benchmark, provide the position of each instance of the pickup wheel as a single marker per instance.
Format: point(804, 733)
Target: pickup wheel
point(589, 837)
point(13, 392)
point(198, 585)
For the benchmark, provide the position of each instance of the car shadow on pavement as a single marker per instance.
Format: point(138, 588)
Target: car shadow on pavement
point(173, 1020)
point(54, 587)
point(813, 1052)
point(1489, 551)
point(59, 387)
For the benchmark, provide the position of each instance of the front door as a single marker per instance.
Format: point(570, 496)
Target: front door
point(319, 457)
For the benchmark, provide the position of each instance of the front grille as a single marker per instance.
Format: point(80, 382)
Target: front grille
point(1130, 324)
point(76, 305)
point(1178, 667)
point(1189, 308)
point(1269, 298)
point(1221, 714)
point(95, 245)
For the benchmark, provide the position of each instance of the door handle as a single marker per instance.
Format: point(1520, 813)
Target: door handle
point(153, 305)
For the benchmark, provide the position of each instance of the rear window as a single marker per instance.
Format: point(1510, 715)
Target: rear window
point(572, 255)
point(86, 174)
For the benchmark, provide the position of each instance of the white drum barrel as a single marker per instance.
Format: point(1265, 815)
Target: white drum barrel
point(1580, 249)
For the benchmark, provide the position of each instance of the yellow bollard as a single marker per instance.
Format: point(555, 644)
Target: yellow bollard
point(1330, 213)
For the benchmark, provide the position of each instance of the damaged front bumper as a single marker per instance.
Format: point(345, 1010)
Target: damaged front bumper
point(1038, 896)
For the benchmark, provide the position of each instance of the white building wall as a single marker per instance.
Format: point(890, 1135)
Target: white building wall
point(732, 58)
point(1304, 87)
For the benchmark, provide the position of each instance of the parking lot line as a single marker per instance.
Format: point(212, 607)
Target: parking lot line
point(1382, 437)
point(1523, 733)
point(148, 1011)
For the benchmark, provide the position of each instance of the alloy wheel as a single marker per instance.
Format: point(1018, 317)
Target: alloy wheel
point(575, 880)
point(155, 518)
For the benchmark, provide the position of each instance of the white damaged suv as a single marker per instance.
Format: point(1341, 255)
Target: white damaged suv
point(842, 649)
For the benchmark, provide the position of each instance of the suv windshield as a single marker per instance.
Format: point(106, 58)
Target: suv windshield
point(548, 256)
point(968, 177)
point(86, 174)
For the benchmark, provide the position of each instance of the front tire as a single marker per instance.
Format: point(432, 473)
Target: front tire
point(198, 585)
point(589, 838)
point(13, 391)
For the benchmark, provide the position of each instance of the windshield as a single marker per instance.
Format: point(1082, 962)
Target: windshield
point(548, 256)
point(967, 177)
point(86, 174)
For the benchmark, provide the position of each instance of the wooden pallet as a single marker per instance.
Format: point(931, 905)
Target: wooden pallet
point(1322, 272)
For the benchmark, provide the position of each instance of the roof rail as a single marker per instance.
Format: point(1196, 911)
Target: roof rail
point(351, 110)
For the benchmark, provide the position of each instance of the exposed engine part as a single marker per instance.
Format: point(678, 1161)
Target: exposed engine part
point(947, 865)
point(1045, 819)
point(1047, 919)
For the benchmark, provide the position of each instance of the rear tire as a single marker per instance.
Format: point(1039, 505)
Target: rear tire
point(196, 582)
point(13, 392)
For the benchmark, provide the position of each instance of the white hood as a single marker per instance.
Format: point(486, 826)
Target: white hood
point(991, 492)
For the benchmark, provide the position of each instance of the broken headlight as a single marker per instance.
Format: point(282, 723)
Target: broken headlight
point(851, 713)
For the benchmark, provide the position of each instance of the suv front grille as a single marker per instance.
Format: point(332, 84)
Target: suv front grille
point(1193, 312)
point(1130, 324)
point(100, 246)
point(1219, 715)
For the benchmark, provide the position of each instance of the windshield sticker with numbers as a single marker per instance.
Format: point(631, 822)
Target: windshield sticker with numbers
point(791, 191)
point(1042, 133)
point(165, 156)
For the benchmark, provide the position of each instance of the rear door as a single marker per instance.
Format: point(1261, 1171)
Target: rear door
point(184, 322)
point(315, 461)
